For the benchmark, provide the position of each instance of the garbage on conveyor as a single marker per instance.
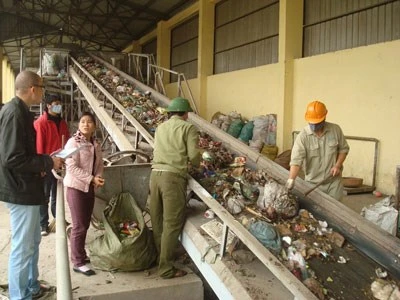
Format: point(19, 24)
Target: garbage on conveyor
point(137, 103)
point(385, 290)
point(272, 215)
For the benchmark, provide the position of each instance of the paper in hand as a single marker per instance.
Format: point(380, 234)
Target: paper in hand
point(65, 153)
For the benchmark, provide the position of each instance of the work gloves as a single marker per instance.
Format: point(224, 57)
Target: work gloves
point(289, 184)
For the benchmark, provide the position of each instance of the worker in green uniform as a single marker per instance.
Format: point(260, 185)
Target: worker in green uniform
point(322, 147)
point(175, 145)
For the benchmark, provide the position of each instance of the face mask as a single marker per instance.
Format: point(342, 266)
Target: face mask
point(316, 127)
point(56, 108)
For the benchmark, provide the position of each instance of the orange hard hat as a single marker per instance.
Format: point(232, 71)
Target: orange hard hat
point(316, 112)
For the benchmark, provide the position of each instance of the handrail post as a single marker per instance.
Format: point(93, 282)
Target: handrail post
point(64, 287)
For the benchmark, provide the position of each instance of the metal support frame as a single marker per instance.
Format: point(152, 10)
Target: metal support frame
point(158, 71)
point(21, 59)
point(133, 63)
point(225, 232)
point(59, 51)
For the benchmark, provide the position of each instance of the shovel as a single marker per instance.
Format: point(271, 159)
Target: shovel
point(318, 184)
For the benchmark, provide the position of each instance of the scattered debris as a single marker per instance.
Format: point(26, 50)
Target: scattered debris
point(243, 256)
point(315, 287)
point(380, 273)
point(209, 214)
point(341, 260)
point(337, 239)
point(384, 290)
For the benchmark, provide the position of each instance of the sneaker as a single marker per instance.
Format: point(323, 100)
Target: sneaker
point(44, 231)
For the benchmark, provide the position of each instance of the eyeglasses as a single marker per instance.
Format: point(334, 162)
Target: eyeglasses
point(38, 85)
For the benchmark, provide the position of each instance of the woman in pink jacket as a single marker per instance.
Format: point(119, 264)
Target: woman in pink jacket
point(84, 170)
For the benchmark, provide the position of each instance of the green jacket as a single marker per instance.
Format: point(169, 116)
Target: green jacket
point(176, 143)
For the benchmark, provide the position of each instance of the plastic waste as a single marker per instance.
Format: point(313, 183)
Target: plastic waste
point(235, 128)
point(267, 235)
point(297, 261)
point(246, 133)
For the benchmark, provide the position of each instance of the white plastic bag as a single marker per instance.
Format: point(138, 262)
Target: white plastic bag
point(382, 214)
point(276, 197)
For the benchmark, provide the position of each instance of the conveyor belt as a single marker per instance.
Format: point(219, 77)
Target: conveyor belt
point(293, 285)
point(367, 237)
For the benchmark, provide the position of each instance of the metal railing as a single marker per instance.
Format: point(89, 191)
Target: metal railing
point(135, 63)
point(155, 75)
point(159, 84)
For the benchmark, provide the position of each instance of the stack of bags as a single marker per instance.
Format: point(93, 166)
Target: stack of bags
point(259, 132)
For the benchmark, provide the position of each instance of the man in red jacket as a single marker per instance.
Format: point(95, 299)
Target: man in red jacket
point(51, 132)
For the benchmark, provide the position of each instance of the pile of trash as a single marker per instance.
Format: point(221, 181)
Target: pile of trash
point(54, 64)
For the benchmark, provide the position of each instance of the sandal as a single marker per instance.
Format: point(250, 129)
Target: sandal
point(88, 272)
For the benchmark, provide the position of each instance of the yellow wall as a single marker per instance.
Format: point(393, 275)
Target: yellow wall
point(360, 87)
point(7, 81)
point(171, 90)
point(250, 92)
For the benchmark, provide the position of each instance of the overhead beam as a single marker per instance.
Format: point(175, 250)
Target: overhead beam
point(144, 9)
point(74, 12)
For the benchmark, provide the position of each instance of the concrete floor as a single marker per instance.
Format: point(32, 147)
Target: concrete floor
point(144, 283)
point(104, 285)
point(357, 201)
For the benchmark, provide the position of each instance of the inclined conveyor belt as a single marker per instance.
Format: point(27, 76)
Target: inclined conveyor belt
point(374, 242)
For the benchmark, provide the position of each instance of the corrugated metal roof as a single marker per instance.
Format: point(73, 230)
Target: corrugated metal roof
point(102, 25)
